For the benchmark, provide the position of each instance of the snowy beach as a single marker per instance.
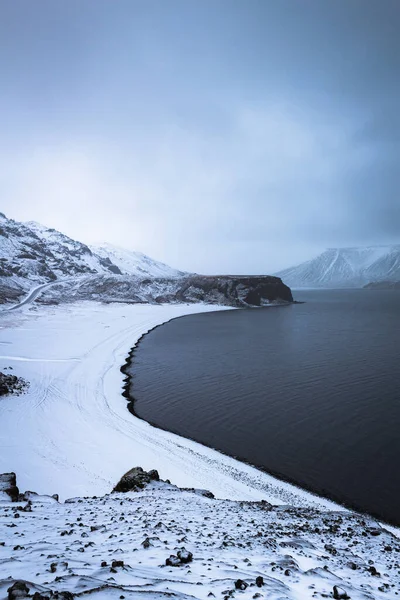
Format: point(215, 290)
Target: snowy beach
point(72, 434)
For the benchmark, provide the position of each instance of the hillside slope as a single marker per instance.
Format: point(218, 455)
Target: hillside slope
point(134, 263)
point(345, 267)
point(32, 254)
point(165, 542)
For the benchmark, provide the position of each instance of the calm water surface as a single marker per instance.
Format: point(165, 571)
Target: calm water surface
point(310, 392)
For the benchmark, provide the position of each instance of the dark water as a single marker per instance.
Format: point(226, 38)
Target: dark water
point(310, 392)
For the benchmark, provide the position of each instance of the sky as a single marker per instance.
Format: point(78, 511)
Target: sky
point(219, 136)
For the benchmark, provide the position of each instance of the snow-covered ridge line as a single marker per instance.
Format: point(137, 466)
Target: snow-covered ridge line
point(31, 253)
point(72, 431)
point(346, 267)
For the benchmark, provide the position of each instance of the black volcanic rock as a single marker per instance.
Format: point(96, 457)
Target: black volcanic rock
point(8, 484)
point(239, 290)
point(11, 384)
point(136, 479)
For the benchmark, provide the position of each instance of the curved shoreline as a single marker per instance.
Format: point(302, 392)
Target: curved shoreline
point(280, 477)
point(72, 433)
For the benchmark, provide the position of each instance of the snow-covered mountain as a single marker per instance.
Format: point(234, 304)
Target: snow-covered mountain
point(134, 263)
point(346, 267)
point(31, 253)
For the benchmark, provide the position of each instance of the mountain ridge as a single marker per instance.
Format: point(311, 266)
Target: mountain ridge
point(67, 270)
point(33, 254)
point(352, 267)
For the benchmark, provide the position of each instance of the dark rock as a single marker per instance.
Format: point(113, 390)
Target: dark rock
point(39, 596)
point(136, 479)
point(117, 563)
point(199, 492)
point(240, 584)
point(184, 556)
point(173, 561)
point(19, 589)
point(259, 581)
point(11, 384)
point(339, 593)
point(8, 484)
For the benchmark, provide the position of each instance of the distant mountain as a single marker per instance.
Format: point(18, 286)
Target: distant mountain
point(134, 263)
point(345, 267)
point(31, 253)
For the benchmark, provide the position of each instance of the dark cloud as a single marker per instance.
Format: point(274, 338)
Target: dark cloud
point(205, 128)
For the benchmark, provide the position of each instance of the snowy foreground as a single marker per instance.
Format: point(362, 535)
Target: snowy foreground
point(72, 434)
point(299, 553)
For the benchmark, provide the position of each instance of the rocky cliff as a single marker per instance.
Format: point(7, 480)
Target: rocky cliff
point(226, 290)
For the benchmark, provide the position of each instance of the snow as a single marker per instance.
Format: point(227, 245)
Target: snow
point(31, 253)
point(299, 553)
point(134, 263)
point(72, 433)
point(345, 267)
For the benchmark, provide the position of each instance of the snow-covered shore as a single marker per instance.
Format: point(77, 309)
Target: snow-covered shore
point(71, 433)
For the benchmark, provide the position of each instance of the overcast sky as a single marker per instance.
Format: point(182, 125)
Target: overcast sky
point(232, 136)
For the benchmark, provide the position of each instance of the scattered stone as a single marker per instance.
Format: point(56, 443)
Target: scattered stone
point(11, 384)
point(184, 556)
point(259, 581)
point(173, 561)
point(117, 563)
point(240, 584)
point(339, 593)
point(19, 589)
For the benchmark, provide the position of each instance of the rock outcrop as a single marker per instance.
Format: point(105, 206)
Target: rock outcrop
point(226, 290)
point(11, 384)
point(8, 486)
point(136, 479)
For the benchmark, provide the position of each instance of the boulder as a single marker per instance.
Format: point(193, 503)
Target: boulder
point(183, 557)
point(19, 589)
point(339, 593)
point(8, 485)
point(136, 479)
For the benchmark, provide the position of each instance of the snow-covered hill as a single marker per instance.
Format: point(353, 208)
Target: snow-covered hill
point(134, 263)
point(165, 542)
point(31, 253)
point(346, 267)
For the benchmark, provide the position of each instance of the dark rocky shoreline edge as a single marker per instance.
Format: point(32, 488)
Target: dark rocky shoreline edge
point(277, 475)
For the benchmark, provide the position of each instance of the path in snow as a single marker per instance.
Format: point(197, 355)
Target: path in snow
point(32, 295)
point(71, 433)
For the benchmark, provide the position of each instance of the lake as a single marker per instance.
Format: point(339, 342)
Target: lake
point(309, 392)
